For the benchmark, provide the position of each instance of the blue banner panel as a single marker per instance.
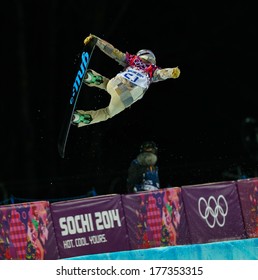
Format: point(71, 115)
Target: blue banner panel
point(246, 249)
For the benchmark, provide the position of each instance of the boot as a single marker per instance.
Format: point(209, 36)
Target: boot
point(90, 78)
point(79, 118)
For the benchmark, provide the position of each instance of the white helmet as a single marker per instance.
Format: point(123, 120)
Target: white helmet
point(147, 55)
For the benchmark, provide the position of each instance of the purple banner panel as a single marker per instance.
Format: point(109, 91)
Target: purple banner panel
point(213, 212)
point(90, 226)
point(155, 218)
point(27, 232)
point(248, 193)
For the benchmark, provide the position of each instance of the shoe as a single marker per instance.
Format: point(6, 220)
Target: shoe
point(79, 118)
point(90, 78)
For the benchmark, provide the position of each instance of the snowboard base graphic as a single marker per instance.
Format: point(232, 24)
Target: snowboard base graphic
point(83, 64)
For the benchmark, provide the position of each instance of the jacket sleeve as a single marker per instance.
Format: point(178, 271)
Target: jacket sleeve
point(111, 51)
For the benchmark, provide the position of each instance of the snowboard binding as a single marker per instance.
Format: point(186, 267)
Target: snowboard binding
point(91, 78)
point(81, 118)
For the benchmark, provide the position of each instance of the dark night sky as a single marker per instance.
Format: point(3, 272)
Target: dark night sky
point(198, 120)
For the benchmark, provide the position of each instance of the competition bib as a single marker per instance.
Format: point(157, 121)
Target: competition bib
point(136, 77)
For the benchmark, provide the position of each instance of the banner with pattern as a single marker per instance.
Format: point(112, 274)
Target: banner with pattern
point(156, 218)
point(26, 232)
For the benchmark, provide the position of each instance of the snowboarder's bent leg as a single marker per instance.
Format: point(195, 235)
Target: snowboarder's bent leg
point(115, 106)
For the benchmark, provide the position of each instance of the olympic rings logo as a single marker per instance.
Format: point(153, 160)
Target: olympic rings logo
point(218, 214)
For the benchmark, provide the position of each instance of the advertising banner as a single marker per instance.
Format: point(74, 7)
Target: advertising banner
point(155, 218)
point(248, 193)
point(90, 226)
point(27, 232)
point(213, 212)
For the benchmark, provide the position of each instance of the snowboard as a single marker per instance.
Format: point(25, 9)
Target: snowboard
point(81, 67)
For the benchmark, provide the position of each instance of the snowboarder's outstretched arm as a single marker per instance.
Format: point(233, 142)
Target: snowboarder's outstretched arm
point(160, 74)
point(108, 49)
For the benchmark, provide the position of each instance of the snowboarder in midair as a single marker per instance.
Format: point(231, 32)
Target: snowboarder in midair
point(128, 86)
